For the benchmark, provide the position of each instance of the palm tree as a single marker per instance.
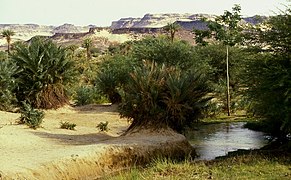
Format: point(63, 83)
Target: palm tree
point(45, 73)
point(87, 43)
point(172, 28)
point(7, 34)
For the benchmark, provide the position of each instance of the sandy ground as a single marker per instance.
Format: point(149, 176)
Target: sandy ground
point(85, 153)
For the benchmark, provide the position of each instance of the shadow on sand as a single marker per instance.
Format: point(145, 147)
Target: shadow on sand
point(80, 139)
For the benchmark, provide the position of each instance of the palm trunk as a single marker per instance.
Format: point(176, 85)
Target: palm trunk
point(8, 47)
point(227, 84)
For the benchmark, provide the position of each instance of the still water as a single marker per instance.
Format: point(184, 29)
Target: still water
point(215, 140)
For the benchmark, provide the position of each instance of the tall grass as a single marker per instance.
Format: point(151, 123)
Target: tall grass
point(238, 167)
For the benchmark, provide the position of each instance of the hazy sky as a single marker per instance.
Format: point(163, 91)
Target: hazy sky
point(103, 12)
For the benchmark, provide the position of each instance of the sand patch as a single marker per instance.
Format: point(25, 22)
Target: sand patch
point(86, 153)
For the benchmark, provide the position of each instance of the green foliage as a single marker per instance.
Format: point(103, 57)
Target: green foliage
point(158, 97)
point(214, 56)
point(85, 95)
point(112, 75)
point(95, 52)
point(172, 28)
point(89, 95)
point(237, 167)
point(3, 56)
point(45, 71)
point(30, 116)
point(103, 126)
point(67, 125)
point(7, 34)
point(162, 51)
point(226, 27)
point(7, 84)
point(87, 44)
point(269, 76)
point(86, 69)
point(200, 35)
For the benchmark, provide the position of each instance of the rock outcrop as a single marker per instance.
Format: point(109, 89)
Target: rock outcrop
point(186, 21)
point(27, 31)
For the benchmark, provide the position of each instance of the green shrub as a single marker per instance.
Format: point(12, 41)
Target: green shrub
point(46, 69)
point(163, 51)
point(112, 75)
point(7, 84)
point(89, 95)
point(103, 126)
point(85, 95)
point(30, 116)
point(159, 96)
point(68, 125)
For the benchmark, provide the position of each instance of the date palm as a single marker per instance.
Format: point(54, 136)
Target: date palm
point(46, 70)
point(87, 43)
point(7, 34)
point(172, 28)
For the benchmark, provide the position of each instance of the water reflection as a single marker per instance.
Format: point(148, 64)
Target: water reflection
point(215, 140)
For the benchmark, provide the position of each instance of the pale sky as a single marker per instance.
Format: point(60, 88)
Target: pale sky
point(103, 12)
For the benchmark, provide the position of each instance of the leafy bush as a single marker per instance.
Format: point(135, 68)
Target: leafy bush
point(7, 84)
point(85, 95)
point(45, 71)
point(30, 116)
point(162, 51)
point(112, 75)
point(89, 95)
point(68, 125)
point(159, 96)
point(103, 126)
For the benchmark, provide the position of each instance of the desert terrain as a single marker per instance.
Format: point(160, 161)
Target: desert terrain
point(84, 153)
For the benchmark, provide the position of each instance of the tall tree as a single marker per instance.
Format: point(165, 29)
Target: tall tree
point(269, 74)
point(7, 34)
point(87, 43)
point(172, 28)
point(226, 29)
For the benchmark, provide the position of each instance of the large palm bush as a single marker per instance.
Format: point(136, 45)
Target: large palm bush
point(45, 71)
point(159, 96)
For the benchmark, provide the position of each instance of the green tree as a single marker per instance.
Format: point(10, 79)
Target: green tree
point(200, 36)
point(162, 51)
point(87, 44)
point(227, 30)
point(269, 75)
point(172, 28)
point(8, 34)
point(46, 69)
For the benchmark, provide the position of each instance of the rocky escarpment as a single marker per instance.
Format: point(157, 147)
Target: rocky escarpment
point(27, 31)
point(186, 21)
point(156, 20)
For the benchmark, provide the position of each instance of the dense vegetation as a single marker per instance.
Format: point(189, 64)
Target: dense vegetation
point(162, 81)
point(269, 75)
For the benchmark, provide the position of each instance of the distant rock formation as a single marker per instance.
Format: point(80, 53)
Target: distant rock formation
point(186, 21)
point(27, 31)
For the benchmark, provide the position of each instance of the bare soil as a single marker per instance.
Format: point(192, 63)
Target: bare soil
point(84, 153)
